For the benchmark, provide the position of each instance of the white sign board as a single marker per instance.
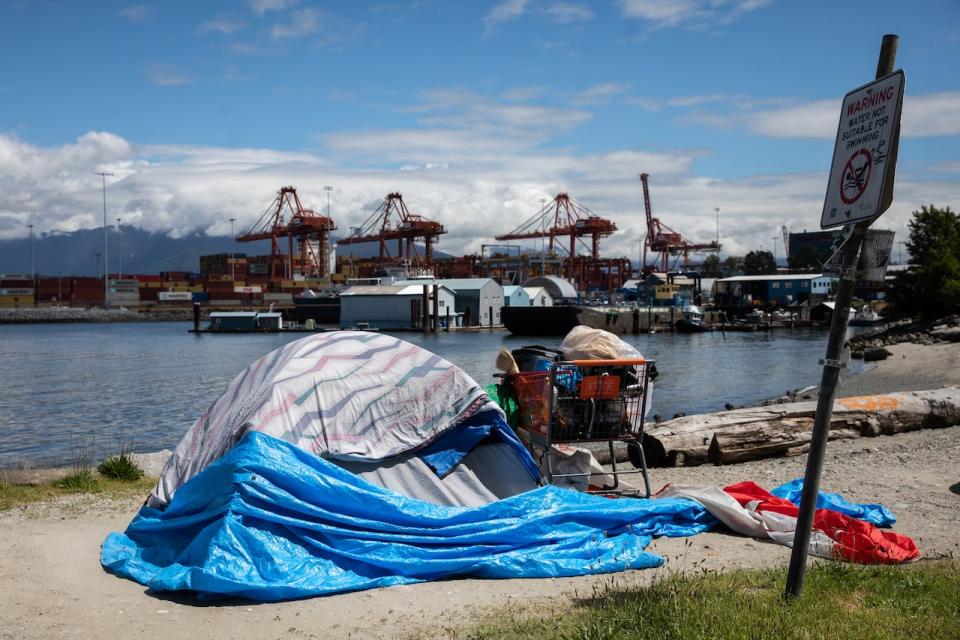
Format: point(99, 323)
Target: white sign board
point(869, 121)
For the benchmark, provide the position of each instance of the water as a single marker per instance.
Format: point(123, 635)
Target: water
point(63, 385)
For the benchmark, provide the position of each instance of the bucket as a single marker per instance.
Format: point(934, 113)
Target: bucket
point(536, 357)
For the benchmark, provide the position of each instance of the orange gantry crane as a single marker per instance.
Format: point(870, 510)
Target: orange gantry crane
point(287, 218)
point(563, 216)
point(664, 240)
point(407, 228)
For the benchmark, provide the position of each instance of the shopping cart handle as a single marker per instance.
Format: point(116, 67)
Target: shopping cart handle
point(606, 363)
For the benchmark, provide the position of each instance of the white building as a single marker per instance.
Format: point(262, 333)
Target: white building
point(515, 296)
point(478, 299)
point(393, 306)
point(539, 297)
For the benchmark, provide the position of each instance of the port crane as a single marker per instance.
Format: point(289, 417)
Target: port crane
point(286, 217)
point(407, 228)
point(664, 240)
point(563, 216)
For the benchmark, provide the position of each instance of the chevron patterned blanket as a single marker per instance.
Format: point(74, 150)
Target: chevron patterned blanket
point(345, 394)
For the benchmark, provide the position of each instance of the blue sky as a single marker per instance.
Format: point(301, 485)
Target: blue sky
point(475, 110)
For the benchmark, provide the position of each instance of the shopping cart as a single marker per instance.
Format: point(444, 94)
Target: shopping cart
point(585, 401)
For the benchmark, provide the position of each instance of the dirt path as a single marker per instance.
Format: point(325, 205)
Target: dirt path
point(52, 585)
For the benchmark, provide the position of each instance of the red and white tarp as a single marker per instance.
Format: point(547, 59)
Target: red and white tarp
point(751, 510)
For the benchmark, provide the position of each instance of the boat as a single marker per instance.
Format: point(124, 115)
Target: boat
point(559, 319)
point(865, 316)
point(692, 320)
point(322, 307)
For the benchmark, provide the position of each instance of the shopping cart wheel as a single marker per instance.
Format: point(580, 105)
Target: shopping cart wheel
point(635, 454)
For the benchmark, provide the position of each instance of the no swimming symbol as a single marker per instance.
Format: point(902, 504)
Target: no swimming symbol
point(855, 176)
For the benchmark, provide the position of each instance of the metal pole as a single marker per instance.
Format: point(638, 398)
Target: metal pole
point(832, 364)
point(32, 270)
point(716, 210)
point(106, 262)
point(119, 252)
point(233, 259)
point(543, 205)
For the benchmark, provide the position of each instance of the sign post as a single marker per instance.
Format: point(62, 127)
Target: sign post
point(860, 188)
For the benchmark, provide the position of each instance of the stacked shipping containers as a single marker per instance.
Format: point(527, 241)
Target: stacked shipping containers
point(16, 291)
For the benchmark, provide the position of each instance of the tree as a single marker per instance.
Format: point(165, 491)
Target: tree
point(731, 265)
point(758, 263)
point(932, 286)
point(711, 267)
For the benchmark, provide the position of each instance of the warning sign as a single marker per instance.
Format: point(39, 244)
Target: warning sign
point(861, 170)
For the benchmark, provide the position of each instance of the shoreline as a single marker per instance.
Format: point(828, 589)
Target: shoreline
point(910, 367)
point(73, 315)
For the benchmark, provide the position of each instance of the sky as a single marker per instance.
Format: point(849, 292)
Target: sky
point(475, 111)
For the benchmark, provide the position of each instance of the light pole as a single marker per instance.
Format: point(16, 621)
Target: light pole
point(775, 238)
point(232, 243)
point(716, 210)
point(32, 270)
point(103, 175)
point(543, 205)
point(119, 252)
point(328, 189)
point(900, 252)
point(326, 270)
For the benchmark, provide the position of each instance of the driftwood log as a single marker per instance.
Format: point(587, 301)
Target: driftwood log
point(785, 429)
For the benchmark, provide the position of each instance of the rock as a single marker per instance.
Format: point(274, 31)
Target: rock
point(948, 334)
point(874, 355)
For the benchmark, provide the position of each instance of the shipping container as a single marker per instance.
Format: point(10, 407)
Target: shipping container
point(175, 296)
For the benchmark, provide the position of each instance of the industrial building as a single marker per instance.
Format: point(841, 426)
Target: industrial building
point(515, 296)
point(396, 307)
point(781, 289)
point(478, 299)
point(539, 297)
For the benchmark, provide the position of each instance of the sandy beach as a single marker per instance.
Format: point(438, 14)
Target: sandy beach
point(53, 586)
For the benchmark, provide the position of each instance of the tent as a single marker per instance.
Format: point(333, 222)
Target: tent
point(389, 411)
point(352, 460)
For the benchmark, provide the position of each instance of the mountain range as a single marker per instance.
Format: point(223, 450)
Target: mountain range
point(131, 250)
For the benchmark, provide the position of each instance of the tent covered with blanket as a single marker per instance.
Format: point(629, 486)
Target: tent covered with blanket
point(351, 460)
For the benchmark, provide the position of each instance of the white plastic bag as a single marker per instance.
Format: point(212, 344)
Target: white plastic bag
point(584, 343)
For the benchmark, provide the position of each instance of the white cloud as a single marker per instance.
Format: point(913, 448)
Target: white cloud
point(302, 23)
point(477, 185)
point(225, 26)
point(600, 94)
point(523, 94)
point(566, 13)
point(165, 75)
point(135, 13)
point(930, 115)
point(260, 7)
point(689, 13)
point(504, 12)
point(647, 104)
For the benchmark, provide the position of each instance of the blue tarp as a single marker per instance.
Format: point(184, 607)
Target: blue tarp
point(876, 514)
point(269, 521)
point(446, 452)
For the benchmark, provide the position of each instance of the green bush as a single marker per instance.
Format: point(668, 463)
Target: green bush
point(79, 480)
point(120, 467)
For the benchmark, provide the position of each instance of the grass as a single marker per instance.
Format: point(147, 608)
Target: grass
point(839, 601)
point(13, 495)
point(120, 467)
point(80, 481)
